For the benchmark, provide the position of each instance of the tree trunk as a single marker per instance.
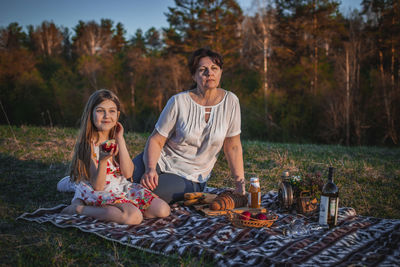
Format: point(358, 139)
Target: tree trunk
point(385, 97)
point(347, 104)
point(132, 87)
point(393, 133)
point(265, 70)
point(315, 58)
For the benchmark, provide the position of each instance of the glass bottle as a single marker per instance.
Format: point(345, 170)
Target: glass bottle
point(329, 204)
point(254, 193)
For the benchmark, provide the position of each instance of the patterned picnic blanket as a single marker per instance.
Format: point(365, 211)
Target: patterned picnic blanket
point(357, 240)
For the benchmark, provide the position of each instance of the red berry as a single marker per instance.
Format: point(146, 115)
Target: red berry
point(108, 146)
point(245, 215)
point(261, 216)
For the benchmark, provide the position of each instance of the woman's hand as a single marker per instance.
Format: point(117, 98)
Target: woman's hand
point(151, 155)
point(234, 156)
point(240, 187)
point(150, 179)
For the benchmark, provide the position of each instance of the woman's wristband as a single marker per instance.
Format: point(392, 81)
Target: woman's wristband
point(240, 182)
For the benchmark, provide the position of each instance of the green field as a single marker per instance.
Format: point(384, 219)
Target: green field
point(32, 162)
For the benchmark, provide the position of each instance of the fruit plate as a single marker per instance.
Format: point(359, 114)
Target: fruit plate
point(238, 220)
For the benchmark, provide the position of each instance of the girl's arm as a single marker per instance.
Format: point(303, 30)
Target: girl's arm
point(234, 155)
point(98, 171)
point(125, 162)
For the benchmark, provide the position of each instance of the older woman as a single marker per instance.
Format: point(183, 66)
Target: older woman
point(190, 132)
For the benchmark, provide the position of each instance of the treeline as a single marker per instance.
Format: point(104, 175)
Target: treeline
point(303, 71)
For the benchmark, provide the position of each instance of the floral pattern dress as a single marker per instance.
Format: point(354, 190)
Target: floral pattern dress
point(117, 189)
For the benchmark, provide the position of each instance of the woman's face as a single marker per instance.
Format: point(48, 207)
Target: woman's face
point(105, 115)
point(208, 74)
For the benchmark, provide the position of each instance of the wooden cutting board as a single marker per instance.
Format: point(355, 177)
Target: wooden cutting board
point(205, 210)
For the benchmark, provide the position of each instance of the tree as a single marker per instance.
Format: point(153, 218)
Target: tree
point(138, 41)
point(257, 45)
point(383, 26)
point(118, 41)
point(46, 39)
point(93, 39)
point(12, 37)
point(204, 23)
point(306, 28)
point(92, 43)
point(153, 40)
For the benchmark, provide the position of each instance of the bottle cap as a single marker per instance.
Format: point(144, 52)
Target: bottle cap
point(254, 179)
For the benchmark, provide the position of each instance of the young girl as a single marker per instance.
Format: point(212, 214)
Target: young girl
point(102, 190)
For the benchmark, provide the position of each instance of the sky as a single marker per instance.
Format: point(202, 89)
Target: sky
point(133, 14)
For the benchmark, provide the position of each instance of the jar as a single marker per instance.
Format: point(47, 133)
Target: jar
point(285, 193)
point(254, 193)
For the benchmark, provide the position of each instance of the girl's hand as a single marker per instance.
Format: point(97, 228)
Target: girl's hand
point(104, 155)
point(119, 132)
point(150, 179)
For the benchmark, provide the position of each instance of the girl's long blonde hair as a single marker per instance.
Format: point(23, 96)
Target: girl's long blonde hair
point(80, 165)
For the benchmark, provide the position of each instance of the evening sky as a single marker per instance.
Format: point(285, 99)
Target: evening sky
point(133, 14)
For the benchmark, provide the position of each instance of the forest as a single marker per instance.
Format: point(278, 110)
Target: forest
point(303, 71)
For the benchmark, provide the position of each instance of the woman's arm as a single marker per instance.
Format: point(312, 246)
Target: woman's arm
point(234, 155)
point(125, 162)
point(151, 155)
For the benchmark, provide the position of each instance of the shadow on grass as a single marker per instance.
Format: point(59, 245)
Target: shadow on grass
point(26, 185)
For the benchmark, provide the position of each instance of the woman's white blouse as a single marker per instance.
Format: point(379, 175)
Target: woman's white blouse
point(193, 144)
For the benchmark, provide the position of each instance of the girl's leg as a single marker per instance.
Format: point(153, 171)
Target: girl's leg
point(71, 209)
point(158, 208)
point(124, 213)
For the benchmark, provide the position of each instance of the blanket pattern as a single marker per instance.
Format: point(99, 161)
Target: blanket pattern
point(357, 240)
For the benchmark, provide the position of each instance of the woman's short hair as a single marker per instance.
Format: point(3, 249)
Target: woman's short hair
point(199, 54)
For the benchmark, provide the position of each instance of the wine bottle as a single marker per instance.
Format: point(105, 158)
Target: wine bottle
point(329, 203)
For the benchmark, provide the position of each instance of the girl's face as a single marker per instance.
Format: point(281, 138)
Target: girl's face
point(208, 74)
point(105, 116)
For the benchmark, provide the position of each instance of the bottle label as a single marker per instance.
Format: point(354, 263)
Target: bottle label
point(332, 207)
point(323, 210)
point(255, 199)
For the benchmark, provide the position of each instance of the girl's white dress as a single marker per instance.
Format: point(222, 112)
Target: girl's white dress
point(117, 189)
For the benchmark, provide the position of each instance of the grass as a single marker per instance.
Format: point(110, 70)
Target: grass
point(31, 165)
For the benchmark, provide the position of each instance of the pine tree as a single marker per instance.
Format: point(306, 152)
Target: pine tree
point(215, 24)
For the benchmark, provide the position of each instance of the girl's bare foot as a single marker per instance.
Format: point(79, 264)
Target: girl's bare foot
point(72, 209)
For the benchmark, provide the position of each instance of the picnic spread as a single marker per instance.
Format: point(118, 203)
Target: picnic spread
point(196, 231)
